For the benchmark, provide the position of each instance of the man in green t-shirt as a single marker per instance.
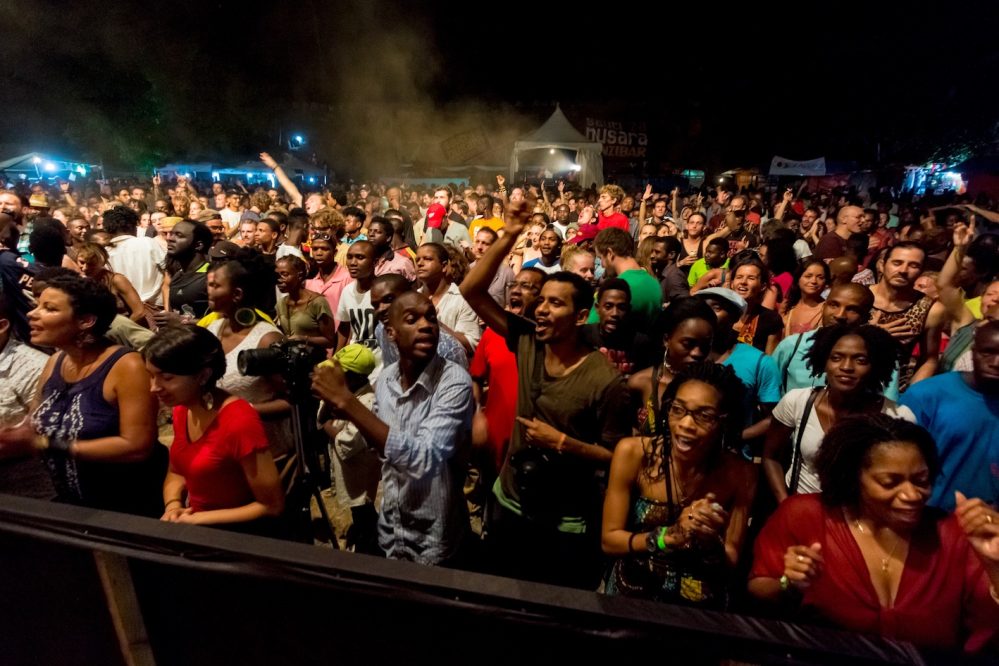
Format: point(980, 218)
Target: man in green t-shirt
point(616, 250)
point(715, 256)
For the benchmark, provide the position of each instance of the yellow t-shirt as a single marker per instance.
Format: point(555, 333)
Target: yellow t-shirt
point(493, 223)
point(974, 305)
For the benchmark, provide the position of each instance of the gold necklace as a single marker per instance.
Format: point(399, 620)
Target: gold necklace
point(885, 561)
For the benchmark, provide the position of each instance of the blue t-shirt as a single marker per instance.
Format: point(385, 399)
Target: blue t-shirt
point(758, 372)
point(791, 359)
point(965, 425)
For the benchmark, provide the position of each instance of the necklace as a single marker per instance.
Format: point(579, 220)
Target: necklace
point(885, 561)
point(681, 493)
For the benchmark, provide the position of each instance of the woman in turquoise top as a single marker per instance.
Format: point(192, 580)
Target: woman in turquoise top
point(677, 504)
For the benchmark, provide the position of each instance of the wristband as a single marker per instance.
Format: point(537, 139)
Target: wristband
point(561, 443)
point(785, 583)
point(661, 538)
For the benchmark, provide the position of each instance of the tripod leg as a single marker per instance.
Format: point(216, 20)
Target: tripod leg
point(318, 496)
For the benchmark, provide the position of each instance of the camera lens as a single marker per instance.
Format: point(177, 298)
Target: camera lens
point(258, 362)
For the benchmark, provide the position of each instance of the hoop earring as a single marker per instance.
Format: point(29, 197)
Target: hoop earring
point(245, 317)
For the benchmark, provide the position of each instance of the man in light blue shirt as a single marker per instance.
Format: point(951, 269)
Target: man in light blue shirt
point(421, 425)
point(849, 303)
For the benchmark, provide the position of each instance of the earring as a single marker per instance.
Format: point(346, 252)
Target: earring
point(245, 317)
point(208, 399)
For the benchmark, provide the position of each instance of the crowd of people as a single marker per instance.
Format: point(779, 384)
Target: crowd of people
point(770, 401)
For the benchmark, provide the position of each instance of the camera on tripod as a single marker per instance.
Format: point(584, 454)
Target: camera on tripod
point(292, 359)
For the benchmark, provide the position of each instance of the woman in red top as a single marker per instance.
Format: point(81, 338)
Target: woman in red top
point(868, 555)
point(219, 457)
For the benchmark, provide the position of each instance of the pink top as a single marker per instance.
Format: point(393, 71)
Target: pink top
point(331, 288)
point(399, 263)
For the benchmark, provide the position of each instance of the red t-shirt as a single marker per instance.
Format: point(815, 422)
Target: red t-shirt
point(494, 361)
point(619, 220)
point(210, 466)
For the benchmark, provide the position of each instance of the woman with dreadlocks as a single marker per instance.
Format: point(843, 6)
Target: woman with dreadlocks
point(677, 503)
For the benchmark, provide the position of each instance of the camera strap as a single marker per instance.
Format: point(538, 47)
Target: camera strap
point(792, 487)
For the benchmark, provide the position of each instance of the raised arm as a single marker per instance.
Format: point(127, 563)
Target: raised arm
point(947, 281)
point(475, 287)
point(286, 182)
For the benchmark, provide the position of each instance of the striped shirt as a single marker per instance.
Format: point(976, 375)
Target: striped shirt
point(424, 517)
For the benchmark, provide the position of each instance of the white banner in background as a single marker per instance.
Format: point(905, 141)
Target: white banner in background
point(781, 166)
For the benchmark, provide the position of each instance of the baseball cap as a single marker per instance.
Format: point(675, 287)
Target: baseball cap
point(587, 232)
point(208, 215)
point(435, 215)
point(222, 250)
point(727, 298)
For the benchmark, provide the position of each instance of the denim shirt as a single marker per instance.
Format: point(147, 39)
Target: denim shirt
point(424, 517)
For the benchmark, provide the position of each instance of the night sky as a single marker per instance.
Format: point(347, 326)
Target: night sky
point(136, 85)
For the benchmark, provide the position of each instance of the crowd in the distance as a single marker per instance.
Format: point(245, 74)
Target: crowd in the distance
point(771, 401)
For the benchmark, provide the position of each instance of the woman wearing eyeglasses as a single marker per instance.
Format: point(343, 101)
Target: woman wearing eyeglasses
point(677, 504)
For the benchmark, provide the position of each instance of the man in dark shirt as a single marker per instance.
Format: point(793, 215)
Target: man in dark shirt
point(848, 221)
point(186, 250)
point(615, 335)
point(571, 412)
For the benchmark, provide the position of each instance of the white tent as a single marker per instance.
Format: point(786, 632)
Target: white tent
point(558, 133)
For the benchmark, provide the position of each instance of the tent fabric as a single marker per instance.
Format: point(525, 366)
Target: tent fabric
point(557, 132)
point(27, 163)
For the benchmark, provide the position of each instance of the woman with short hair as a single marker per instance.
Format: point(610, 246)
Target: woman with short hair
point(868, 555)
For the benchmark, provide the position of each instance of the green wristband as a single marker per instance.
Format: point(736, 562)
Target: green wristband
point(661, 538)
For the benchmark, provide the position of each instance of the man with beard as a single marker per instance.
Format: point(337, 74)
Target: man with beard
point(662, 260)
point(961, 411)
point(420, 426)
point(187, 248)
point(572, 411)
point(615, 335)
point(910, 316)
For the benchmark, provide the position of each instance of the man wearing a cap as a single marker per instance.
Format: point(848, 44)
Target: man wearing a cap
point(420, 425)
point(213, 219)
point(138, 259)
point(754, 368)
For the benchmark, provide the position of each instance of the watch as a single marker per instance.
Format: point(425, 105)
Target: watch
point(650, 542)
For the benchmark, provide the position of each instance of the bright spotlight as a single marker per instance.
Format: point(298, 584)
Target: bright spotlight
point(49, 166)
point(576, 167)
point(299, 139)
point(551, 151)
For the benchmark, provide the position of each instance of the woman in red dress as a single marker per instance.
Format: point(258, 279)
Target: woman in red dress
point(866, 554)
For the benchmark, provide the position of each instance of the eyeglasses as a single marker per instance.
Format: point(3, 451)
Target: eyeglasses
point(703, 417)
point(322, 237)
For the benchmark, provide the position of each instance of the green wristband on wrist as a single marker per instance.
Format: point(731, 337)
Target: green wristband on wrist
point(661, 538)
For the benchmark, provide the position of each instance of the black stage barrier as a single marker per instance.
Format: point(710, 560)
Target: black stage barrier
point(89, 587)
